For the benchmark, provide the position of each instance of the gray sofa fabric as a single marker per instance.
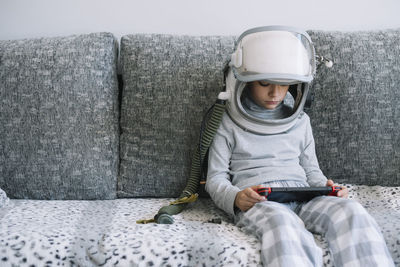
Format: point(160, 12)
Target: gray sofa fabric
point(169, 82)
point(59, 117)
point(356, 115)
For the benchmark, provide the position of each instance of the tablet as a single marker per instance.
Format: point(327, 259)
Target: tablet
point(300, 194)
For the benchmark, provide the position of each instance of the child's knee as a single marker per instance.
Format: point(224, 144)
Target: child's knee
point(351, 213)
point(351, 206)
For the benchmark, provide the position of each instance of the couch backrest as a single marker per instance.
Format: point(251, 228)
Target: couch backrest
point(59, 111)
point(170, 81)
point(356, 113)
point(59, 117)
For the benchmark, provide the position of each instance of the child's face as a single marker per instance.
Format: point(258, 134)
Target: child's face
point(268, 95)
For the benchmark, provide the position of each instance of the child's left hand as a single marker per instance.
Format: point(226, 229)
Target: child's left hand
point(344, 192)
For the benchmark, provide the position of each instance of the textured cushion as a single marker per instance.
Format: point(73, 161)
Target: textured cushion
point(104, 233)
point(356, 112)
point(169, 83)
point(59, 117)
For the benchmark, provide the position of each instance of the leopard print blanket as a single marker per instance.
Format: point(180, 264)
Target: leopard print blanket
point(104, 232)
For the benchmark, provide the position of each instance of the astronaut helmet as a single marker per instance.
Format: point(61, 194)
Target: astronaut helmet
point(272, 55)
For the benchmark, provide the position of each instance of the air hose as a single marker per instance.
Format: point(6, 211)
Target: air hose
point(189, 194)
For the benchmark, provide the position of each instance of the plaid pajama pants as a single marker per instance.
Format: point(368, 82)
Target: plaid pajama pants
point(285, 231)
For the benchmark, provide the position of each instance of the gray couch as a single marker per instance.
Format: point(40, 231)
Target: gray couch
point(85, 151)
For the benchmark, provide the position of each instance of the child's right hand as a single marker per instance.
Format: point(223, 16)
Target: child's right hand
point(246, 198)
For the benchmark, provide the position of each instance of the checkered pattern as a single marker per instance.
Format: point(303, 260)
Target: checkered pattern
point(285, 240)
point(353, 235)
point(285, 231)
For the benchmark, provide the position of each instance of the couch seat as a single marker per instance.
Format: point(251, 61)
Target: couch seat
point(104, 232)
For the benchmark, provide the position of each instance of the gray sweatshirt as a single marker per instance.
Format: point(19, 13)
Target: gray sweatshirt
point(239, 159)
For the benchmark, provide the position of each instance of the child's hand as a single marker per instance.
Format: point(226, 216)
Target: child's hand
point(344, 192)
point(246, 198)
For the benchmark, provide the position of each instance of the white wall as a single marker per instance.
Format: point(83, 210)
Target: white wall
point(38, 18)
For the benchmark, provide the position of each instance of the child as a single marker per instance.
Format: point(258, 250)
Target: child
point(263, 142)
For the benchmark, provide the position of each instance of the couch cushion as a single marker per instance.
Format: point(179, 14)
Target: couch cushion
point(104, 232)
point(59, 117)
point(169, 83)
point(356, 112)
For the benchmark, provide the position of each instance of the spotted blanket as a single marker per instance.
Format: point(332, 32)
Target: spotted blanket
point(104, 232)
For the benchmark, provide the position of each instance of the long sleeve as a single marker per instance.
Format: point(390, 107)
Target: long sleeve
point(239, 159)
point(218, 183)
point(309, 161)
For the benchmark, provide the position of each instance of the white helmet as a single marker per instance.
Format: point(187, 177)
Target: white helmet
point(275, 54)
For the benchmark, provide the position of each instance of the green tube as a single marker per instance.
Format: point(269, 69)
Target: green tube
point(205, 142)
point(197, 160)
